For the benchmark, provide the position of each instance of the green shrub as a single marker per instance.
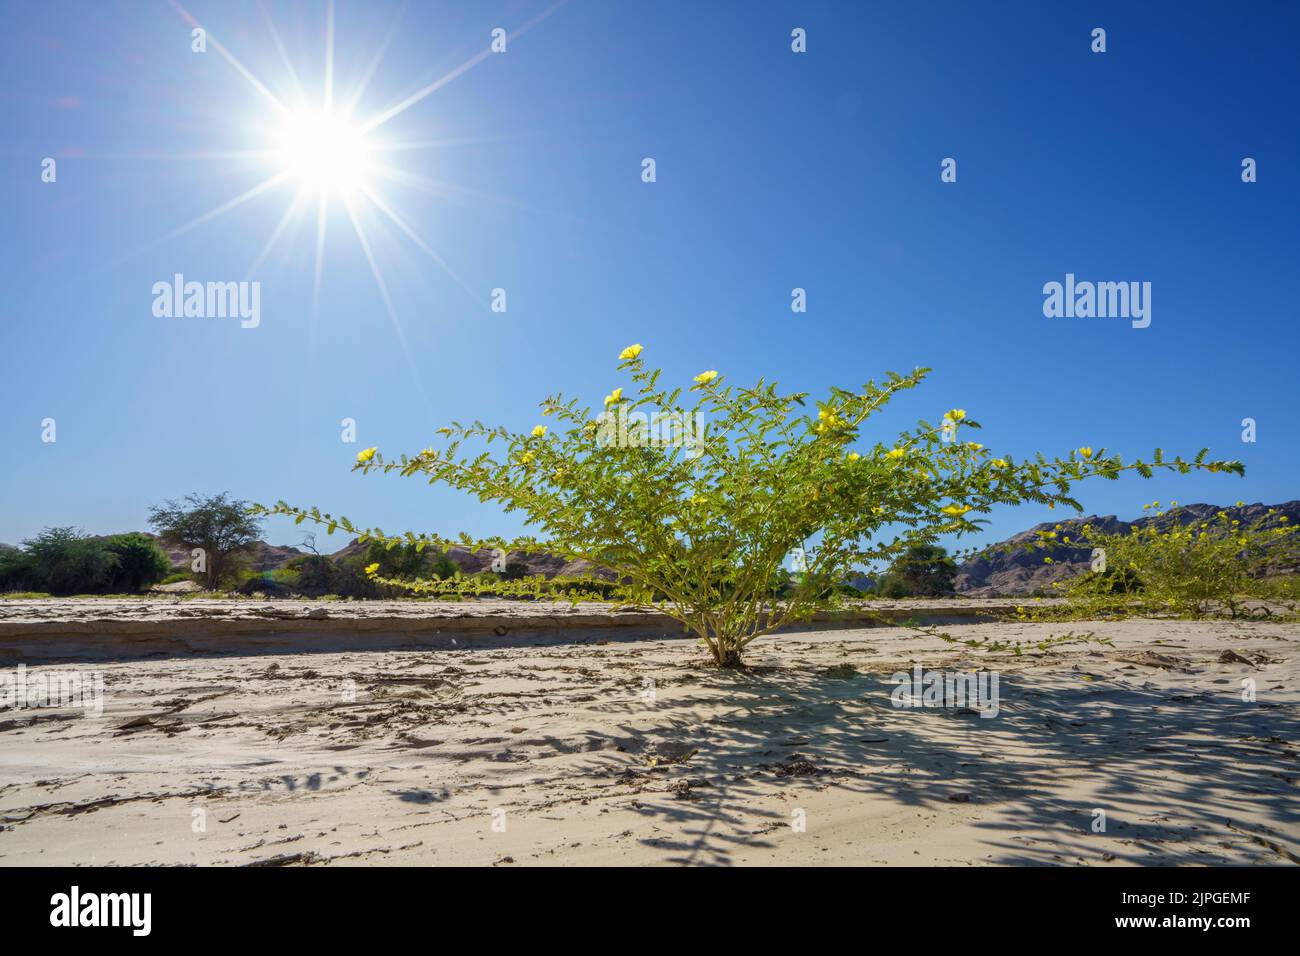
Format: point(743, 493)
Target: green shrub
point(140, 562)
point(923, 570)
point(515, 570)
point(1190, 569)
point(289, 577)
point(708, 520)
point(15, 569)
point(66, 561)
point(1281, 587)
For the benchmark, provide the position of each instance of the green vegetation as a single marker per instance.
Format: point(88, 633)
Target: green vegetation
point(707, 520)
point(140, 563)
point(923, 570)
point(1187, 569)
point(218, 526)
point(1280, 587)
point(317, 575)
point(65, 561)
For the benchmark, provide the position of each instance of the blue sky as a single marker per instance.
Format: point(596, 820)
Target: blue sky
point(775, 170)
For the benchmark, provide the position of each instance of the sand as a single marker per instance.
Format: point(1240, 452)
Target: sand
point(619, 746)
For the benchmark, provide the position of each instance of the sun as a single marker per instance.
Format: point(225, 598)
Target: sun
point(324, 152)
point(330, 153)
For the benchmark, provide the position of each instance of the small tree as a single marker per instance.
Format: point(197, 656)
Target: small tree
point(66, 561)
point(923, 570)
point(403, 561)
point(15, 569)
point(220, 526)
point(140, 562)
point(706, 517)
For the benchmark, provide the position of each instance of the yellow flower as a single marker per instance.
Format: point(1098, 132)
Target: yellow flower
point(526, 458)
point(974, 446)
point(614, 397)
point(372, 568)
point(896, 453)
point(1000, 462)
point(854, 456)
point(955, 510)
point(956, 415)
point(539, 431)
point(631, 352)
point(704, 378)
point(1085, 451)
point(365, 455)
point(1240, 504)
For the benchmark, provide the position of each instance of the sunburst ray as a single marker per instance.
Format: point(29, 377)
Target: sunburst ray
point(388, 301)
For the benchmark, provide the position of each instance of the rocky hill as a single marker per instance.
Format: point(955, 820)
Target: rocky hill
point(260, 557)
point(1021, 572)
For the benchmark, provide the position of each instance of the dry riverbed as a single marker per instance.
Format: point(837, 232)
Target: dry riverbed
point(622, 747)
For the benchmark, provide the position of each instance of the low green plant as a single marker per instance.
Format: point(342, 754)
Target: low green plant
point(705, 517)
point(1280, 587)
point(1186, 568)
point(1018, 647)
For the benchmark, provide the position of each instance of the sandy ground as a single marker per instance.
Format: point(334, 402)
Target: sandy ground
point(627, 750)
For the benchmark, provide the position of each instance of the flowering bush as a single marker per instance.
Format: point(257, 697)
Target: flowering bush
point(704, 524)
point(1189, 568)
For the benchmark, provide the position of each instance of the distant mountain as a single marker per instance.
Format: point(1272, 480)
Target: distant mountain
point(260, 556)
point(1021, 572)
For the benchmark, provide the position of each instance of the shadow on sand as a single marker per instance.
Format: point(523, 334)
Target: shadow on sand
point(1175, 773)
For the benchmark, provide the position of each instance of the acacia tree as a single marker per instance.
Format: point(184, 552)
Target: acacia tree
point(706, 518)
point(220, 526)
point(923, 570)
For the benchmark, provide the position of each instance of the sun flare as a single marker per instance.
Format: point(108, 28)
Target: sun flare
point(324, 152)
